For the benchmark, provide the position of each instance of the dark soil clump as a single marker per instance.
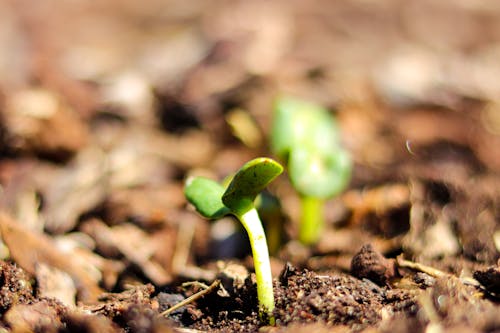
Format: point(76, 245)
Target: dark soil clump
point(336, 299)
point(15, 286)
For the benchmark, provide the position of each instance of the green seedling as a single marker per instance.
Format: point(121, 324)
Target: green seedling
point(306, 137)
point(213, 201)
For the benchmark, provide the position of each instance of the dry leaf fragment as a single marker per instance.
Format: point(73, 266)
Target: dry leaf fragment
point(38, 120)
point(32, 317)
point(29, 249)
point(55, 283)
point(131, 242)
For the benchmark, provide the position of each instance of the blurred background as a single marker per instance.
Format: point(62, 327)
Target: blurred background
point(181, 63)
point(106, 106)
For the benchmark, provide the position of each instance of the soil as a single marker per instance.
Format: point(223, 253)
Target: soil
point(106, 108)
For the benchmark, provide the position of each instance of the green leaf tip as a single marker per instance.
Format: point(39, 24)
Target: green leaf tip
point(304, 124)
point(249, 181)
point(306, 136)
point(205, 195)
point(319, 175)
point(212, 201)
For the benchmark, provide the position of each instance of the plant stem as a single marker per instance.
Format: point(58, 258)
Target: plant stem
point(252, 224)
point(311, 223)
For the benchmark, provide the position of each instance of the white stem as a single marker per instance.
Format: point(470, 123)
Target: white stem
point(253, 226)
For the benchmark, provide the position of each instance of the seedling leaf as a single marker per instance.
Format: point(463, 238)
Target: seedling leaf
point(249, 181)
point(319, 175)
point(205, 195)
point(302, 124)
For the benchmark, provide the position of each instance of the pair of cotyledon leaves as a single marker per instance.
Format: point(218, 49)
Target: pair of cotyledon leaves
point(213, 201)
point(307, 137)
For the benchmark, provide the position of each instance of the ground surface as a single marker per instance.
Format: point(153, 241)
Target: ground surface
point(105, 109)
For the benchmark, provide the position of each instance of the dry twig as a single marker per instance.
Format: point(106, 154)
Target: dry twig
point(206, 289)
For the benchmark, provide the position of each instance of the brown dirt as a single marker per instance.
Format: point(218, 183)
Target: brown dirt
point(106, 108)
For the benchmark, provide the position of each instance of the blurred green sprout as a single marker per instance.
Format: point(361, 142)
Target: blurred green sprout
point(306, 137)
point(212, 200)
